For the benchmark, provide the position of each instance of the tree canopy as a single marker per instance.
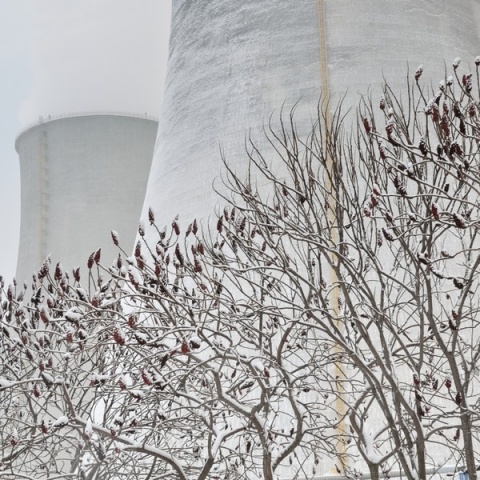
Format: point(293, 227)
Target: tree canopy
point(328, 320)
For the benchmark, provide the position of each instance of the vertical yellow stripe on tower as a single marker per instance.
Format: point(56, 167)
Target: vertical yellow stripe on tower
point(340, 406)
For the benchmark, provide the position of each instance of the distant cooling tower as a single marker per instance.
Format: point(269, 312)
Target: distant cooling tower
point(235, 63)
point(81, 176)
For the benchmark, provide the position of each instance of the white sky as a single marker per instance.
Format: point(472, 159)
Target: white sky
point(63, 56)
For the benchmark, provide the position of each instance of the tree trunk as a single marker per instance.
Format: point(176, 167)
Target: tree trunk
point(267, 465)
point(468, 445)
point(374, 471)
point(422, 472)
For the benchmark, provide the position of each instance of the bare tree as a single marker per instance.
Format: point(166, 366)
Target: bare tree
point(180, 369)
point(374, 234)
point(328, 320)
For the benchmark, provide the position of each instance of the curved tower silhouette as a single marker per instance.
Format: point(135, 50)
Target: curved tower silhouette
point(81, 177)
point(233, 65)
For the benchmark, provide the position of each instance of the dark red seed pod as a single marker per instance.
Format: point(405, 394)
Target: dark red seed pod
point(418, 72)
point(185, 348)
point(44, 427)
point(444, 124)
point(37, 392)
point(435, 113)
point(456, 111)
point(389, 129)
point(97, 256)
point(472, 109)
point(388, 235)
point(179, 255)
point(58, 272)
point(366, 125)
point(114, 235)
point(132, 321)
point(151, 216)
point(119, 336)
point(43, 270)
point(459, 221)
point(175, 227)
point(147, 378)
point(448, 383)
point(44, 316)
point(121, 383)
point(381, 150)
point(76, 274)
point(140, 262)
point(423, 147)
point(90, 261)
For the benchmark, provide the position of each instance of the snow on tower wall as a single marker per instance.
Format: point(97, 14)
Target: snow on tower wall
point(234, 64)
point(81, 177)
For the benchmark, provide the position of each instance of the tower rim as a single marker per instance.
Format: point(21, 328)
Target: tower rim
point(42, 120)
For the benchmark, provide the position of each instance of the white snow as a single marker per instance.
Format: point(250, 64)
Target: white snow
point(74, 314)
point(4, 383)
point(88, 430)
point(60, 422)
point(369, 438)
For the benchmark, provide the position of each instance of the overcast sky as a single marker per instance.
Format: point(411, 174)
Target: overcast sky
point(64, 56)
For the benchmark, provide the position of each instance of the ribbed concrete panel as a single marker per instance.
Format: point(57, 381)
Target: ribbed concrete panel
point(81, 176)
point(234, 64)
point(231, 65)
point(369, 40)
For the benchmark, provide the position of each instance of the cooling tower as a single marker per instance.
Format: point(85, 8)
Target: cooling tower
point(234, 64)
point(81, 176)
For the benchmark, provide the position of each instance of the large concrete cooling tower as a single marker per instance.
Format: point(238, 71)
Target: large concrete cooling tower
point(81, 176)
point(234, 63)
